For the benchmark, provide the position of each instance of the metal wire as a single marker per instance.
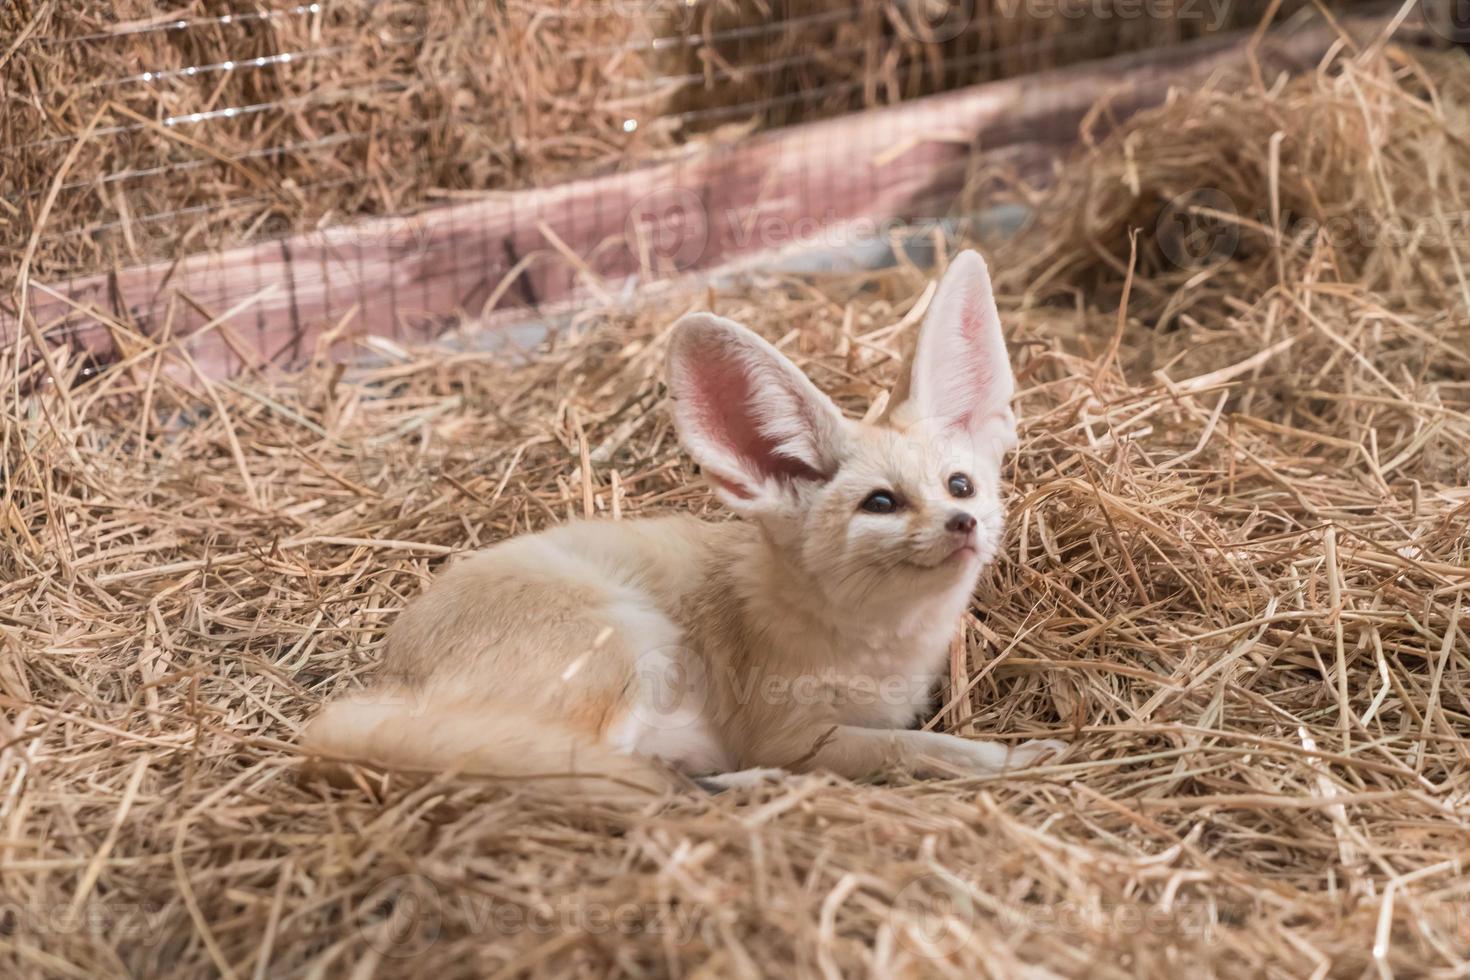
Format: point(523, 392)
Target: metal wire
point(239, 203)
point(695, 40)
point(285, 57)
point(229, 112)
point(337, 139)
point(217, 206)
point(662, 43)
point(1057, 43)
point(227, 207)
point(1063, 42)
point(816, 94)
point(749, 107)
point(182, 24)
point(241, 64)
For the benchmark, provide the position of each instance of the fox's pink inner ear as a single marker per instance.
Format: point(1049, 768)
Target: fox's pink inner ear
point(723, 402)
point(975, 372)
point(961, 372)
point(746, 414)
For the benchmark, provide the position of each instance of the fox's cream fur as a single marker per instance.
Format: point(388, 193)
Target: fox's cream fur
point(808, 635)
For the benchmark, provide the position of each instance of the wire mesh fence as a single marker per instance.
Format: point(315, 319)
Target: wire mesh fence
point(210, 124)
point(406, 165)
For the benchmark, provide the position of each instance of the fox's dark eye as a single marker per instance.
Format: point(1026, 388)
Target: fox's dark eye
point(880, 502)
point(960, 485)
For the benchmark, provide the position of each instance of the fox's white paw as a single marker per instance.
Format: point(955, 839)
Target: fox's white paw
point(940, 754)
point(1034, 751)
point(981, 758)
point(740, 779)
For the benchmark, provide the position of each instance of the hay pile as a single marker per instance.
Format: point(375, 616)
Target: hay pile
point(774, 62)
point(1236, 579)
point(211, 124)
point(138, 134)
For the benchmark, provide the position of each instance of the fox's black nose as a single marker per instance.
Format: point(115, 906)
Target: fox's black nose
point(960, 523)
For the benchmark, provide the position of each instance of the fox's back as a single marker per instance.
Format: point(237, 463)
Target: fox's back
point(526, 597)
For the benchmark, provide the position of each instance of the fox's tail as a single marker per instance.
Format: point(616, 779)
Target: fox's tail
point(386, 729)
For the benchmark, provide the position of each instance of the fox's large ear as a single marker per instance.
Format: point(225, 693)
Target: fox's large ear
point(959, 376)
point(753, 422)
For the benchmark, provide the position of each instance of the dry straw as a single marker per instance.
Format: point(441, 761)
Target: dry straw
point(209, 125)
point(1235, 579)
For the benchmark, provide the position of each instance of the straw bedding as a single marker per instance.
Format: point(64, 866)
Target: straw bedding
point(1235, 579)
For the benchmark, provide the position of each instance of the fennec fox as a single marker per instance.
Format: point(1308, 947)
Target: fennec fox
point(806, 636)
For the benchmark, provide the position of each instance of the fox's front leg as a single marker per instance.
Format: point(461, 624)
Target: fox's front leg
point(856, 752)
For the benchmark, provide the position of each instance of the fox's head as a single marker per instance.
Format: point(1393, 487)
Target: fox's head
point(876, 513)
